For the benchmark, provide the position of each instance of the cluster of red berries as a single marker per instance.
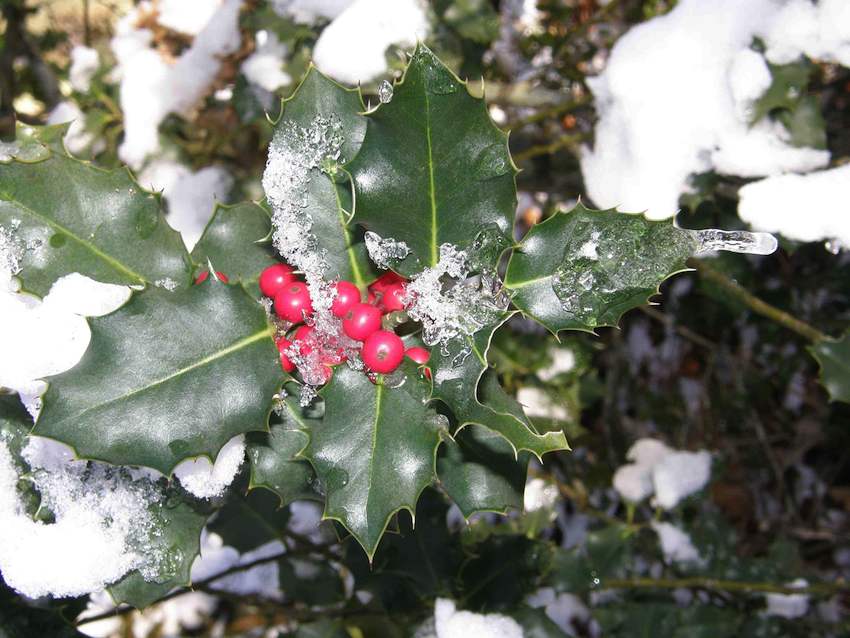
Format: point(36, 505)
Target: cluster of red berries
point(382, 350)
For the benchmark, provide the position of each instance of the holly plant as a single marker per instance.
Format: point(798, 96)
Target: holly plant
point(343, 323)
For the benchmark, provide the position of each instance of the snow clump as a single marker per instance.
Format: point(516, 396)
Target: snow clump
point(204, 479)
point(676, 545)
point(85, 62)
point(656, 469)
point(789, 605)
point(672, 105)
point(451, 623)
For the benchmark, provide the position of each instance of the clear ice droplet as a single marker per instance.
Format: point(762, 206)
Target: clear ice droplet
point(385, 92)
point(736, 241)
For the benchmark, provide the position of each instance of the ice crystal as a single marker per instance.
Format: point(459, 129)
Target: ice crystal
point(12, 250)
point(448, 302)
point(384, 252)
point(167, 283)
point(385, 92)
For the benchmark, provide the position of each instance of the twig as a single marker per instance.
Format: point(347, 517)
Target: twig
point(697, 582)
point(570, 141)
point(683, 331)
point(555, 109)
point(757, 305)
point(203, 585)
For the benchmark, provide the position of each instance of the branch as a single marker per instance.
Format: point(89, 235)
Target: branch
point(755, 304)
point(570, 141)
point(714, 584)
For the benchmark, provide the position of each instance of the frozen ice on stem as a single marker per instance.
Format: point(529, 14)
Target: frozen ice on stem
point(736, 241)
point(385, 252)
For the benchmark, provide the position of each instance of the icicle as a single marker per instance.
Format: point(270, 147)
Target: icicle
point(736, 241)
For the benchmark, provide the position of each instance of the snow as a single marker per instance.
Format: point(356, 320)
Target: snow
point(675, 543)
point(263, 66)
point(209, 480)
point(562, 609)
point(657, 469)
point(539, 495)
point(563, 360)
point(451, 623)
point(103, 521)
point(538, 403)
point(820, 31)
point(310, 11)
point(385, 251)
point(353, 47)
point(672, 105)
point(678, 475)
point(151, 88)
point(809, 207)
point(86, 297)
point(77, 139)
point(42, 338)
point(191, 195)
point(216, 557)
point(186, 17)
point(789, 605)
point(84, 64)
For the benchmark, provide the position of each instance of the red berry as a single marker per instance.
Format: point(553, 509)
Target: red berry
point(419, 355)
point(347, 294)
point(382, 351)
point(204, 275)
point(274, 278)
point(283, 345)
point(371, 298)
point(361, 321)
point(387, 279)
point(392, 299)
point(293, 302)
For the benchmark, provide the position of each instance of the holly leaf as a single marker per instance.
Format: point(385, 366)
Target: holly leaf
point(462, 381)
point(481, 473)
point(833, 356)
point(433, 167)
point(15, 423)
point(168, 376)
point(374, 450)
point(585, 268)
point(275, 457)
point(328, 203)
point(73, 217)
point(178, 527)
point(236, 243)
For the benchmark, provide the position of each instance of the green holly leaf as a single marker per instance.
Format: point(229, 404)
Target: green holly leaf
point(170, 375)
point(178, 527)
point(276, 457)
point(15, 423)
point(236, 242)
point(374, 451)
point(433, 167)
point(328, 203)
point(481, 473)
point(250, 520)
point(73, 217)
point(582, 269)
point(462, 381)
point(833, 356)
point(24, 618)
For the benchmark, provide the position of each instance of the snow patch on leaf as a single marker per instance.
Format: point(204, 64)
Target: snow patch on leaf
point(209, 480)
point(103, 524)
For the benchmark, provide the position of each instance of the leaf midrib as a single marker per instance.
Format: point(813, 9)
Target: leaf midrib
point(352, 260)
point(91, 247)
point(379, 394)
point(432, 189)
point(234, 347)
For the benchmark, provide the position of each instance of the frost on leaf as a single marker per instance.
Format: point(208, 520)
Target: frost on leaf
point(95, 524)
point(384, 252)
point(449, 302)
point(11, 251)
